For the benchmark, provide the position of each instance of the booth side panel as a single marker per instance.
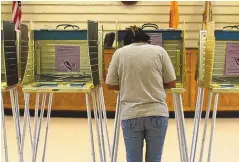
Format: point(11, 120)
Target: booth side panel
point(10, 53)
point(23, 48)
point(30, 68)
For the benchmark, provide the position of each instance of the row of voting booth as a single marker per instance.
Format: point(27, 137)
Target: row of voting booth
point(218, 71)
point(45, 62)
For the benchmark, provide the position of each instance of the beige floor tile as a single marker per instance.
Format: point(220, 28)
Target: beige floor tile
point(68, 141)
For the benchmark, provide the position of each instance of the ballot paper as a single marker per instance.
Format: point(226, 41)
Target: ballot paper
point(232, 59)
point(67, 58)
point(156, 38)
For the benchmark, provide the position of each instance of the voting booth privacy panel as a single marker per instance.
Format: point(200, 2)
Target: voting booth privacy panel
point(63, 60)
point(173, 42)
point(14, 53)
point(224, 62)
point(219, 72)
point(14, 45)
point(9, 62)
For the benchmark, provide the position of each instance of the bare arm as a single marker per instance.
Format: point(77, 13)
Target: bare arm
point(113, 87)
point(170, 85)
point(169, 76)
point(112, 78)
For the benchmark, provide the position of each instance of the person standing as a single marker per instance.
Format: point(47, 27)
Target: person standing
point(141, 72)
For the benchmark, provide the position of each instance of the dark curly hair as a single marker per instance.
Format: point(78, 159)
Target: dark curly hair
point(135, 34)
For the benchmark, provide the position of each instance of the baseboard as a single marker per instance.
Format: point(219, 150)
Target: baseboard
point(111, 114)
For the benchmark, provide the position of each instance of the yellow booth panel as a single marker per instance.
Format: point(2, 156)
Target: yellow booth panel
point(227, 102)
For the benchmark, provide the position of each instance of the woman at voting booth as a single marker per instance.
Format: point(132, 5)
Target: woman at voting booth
point(141, 71)
point(123, 68)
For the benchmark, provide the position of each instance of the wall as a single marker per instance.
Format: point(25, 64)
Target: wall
point(107, 13)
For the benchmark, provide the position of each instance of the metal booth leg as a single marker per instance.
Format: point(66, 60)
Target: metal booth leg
point(105, 118)
point(90, 126)
point(96, 114)
point(116, 131)
point(15, 119)
point(15, 94)
point(35, 121)
point(178, 128)
point(197, 119)
point(181, 123)
point(4, 131)
point(26, 114)
point(181, 111)
point(47, 124)
point(27, 100)
point(36, 142)
point(213, 126)
point(205, 125)
point(99, 105)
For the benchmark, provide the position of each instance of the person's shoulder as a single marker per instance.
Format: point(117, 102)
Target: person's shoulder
point(122, 49)
point(156, 48)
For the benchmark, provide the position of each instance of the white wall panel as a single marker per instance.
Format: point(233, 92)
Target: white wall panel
point(50, 14)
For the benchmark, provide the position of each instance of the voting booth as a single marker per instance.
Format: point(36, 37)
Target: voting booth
point(14, 51)
point(65, 61)
point(218, 71)
point(173, 42)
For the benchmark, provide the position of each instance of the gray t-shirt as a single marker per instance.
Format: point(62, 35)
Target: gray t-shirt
point(140, 69)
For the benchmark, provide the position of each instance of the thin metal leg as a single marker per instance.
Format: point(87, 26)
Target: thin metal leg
point(197, 119)
point(18, 135)
point(101, 124)
point(117, 137)
point(26, 111)
point(4, 132)
point(15, 93)
point(35, 120)
point(97, 123)
point(182, 119)
point(116, 131)
point(178, 127)
point(28, 118)
point(105, 118)
point(205, 125)
point(90, 127)
point(213, 126)
point(39, 127)
point(47, 124)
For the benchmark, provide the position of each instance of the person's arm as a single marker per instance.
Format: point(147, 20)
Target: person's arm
point(112, 78)
point(168, 71)
point(170, 85)
point(113, 87)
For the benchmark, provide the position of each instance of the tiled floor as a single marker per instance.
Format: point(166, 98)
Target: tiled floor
point(68, 141)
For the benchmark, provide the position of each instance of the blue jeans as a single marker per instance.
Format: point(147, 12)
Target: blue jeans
point(153, 129)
